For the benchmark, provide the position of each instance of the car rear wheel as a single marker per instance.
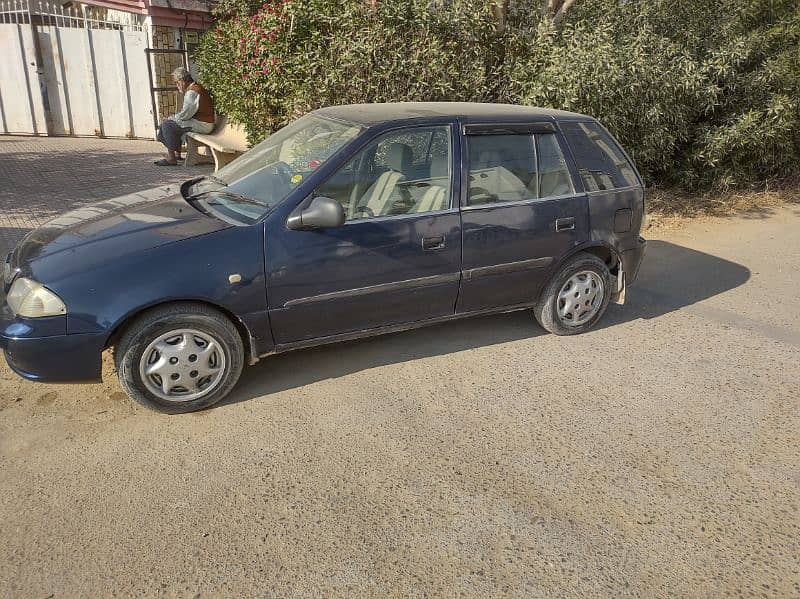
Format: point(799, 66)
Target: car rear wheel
point(179, 358)
point(576, 297)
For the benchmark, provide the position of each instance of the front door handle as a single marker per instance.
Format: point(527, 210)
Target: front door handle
point(433, 243)
point(565, 224)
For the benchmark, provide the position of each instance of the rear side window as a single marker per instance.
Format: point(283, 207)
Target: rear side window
point(554, 177)
point(514, 168)
point(601, 163)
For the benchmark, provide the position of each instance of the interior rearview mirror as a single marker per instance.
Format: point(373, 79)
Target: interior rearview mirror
point(321, 213)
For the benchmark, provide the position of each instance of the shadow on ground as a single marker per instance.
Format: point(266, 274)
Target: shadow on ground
point(671, 277)
point(37, 186)
point(91, 175)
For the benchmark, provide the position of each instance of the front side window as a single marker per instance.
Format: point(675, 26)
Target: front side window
point(514, 168)
point(600, 162)
point(248, 187)
point(401, 172)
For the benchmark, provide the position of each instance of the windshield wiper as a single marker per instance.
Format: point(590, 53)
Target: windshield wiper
point(194, 202)
point(189, 188)
point(235, 197)
point(214, 179)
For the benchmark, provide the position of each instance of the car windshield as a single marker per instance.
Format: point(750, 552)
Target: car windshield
point(247, 188)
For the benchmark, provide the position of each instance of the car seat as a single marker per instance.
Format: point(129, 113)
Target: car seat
point(488, 178)
point(378, 198)
point(435, 197)
point(554, 183)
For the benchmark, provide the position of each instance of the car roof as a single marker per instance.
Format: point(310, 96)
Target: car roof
point(373, 114)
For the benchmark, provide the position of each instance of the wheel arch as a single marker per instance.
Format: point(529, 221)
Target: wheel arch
point(602, 250)
point(244, 332)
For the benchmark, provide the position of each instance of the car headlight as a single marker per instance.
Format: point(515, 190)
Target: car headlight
point(32, 300)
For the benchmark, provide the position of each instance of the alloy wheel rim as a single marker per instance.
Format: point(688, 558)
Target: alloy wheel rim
point(182, 365)
point(580, 298)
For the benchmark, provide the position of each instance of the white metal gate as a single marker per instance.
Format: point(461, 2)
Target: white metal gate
point(65, 73)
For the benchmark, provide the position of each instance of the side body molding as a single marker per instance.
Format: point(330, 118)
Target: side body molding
point(361, 291)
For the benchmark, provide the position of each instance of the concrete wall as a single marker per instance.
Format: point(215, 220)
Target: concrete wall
point(75, 76)
point(22, 100)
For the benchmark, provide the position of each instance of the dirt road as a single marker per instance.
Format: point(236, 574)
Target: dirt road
point(658, 455)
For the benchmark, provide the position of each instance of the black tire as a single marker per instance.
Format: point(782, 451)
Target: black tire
point(159, 321)
point(546, 309)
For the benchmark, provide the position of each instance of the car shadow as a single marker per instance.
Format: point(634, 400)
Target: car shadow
point(301, 367)
point(671, 277)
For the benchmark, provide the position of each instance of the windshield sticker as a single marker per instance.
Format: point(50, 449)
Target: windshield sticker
point(296, 179)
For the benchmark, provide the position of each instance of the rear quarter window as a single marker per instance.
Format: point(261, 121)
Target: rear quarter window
point(599, 159)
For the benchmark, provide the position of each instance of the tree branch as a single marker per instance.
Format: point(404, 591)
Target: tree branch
point(561, 12)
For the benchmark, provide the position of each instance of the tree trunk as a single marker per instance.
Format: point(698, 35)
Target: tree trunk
point(500, 12)
point(557, 9)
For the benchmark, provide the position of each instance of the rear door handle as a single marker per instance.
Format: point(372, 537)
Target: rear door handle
point(565, 224)
point(433, 243)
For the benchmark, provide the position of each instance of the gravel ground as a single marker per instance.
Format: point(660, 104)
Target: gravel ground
point(655, 456)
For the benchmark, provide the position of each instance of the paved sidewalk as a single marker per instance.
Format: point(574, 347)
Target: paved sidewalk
point(41, 177)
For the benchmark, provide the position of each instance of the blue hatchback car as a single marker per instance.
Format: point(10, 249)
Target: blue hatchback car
point(351, 221)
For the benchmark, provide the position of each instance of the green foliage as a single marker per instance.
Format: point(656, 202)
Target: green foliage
point(701, 94)
point(285, 59)
point(244, 65)
point(752, 133)
point(398, 52)
point(642, 86)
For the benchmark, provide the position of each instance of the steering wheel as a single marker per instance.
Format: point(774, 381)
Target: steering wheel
point(365, 209)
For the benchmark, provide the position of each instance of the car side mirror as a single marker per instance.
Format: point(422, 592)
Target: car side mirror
point(321, 213)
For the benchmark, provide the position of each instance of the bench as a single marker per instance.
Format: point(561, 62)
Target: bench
point(226, 142)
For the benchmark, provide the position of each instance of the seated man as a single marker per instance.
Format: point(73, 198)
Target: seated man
point(196, 115)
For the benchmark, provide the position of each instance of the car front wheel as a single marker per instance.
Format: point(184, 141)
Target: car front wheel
point(179, 358)
point(576, 297)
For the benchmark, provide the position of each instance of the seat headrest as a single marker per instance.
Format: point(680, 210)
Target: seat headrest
point(488, 158)
point(399, 157)
point(439, 167)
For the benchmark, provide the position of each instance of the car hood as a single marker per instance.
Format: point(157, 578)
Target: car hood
point(122, 225)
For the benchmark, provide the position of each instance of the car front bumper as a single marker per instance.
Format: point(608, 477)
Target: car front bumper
point(39, 349)
point(55, 359)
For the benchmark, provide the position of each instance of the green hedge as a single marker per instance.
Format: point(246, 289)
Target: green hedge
point(701, 94)
point(269, 63)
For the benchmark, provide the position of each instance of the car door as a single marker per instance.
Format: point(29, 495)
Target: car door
point(397, 257)
point(520, 213)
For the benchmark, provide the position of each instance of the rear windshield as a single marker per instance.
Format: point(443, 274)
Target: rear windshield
point(600, 161)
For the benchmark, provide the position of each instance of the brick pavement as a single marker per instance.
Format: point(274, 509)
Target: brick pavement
point(41, 177)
